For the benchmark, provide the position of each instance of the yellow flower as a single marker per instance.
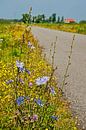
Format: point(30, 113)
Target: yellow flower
point(75, 128)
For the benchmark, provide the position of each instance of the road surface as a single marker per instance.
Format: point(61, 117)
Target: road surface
point(75, 90)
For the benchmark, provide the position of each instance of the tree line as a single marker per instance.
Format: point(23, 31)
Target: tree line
point(41, 18)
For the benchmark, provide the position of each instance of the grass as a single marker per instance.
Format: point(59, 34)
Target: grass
point(26, 103)
point(75, 27)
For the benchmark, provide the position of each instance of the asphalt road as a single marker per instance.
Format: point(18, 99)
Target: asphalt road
point(75, 90)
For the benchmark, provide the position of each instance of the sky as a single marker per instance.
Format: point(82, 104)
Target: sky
point(68, 8)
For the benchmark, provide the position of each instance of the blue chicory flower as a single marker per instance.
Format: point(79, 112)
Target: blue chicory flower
point(9, 81)
point(21, 81)
point(54, 117)
point(27, 71)
point(39, 102)
point(20, 66)
point(43, 80)
point(20, 100)
point(34, 118)
point(52, 91)
point(21, 69)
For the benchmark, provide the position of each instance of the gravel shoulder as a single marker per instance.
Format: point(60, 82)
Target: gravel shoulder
point(75, 90)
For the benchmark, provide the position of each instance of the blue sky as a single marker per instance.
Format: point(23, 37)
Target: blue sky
point(67, 8)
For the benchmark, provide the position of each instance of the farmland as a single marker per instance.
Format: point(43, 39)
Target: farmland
point(70, 27)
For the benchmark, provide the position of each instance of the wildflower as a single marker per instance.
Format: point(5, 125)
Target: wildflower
point(39, 102)
point(54, 117)
point(30, 45)
point(21, 81)
point(30, 84)
point(9, 81)
point(52, 91)
point(34, 118)
point(20, 66)
point(20, 100)
point(27, 71)
point(21, 69)
point(43, 80)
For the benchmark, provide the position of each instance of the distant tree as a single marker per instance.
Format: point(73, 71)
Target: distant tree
point(39, 18)
point(62, 19)
point(33, 19)
point(50, 19)
point(83, 22)
point(53, 18)
point(27, 16)
point(43, 18)
point(58, 20)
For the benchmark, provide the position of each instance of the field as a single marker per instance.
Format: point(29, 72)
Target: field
point(29, 96)
point(75, 28)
